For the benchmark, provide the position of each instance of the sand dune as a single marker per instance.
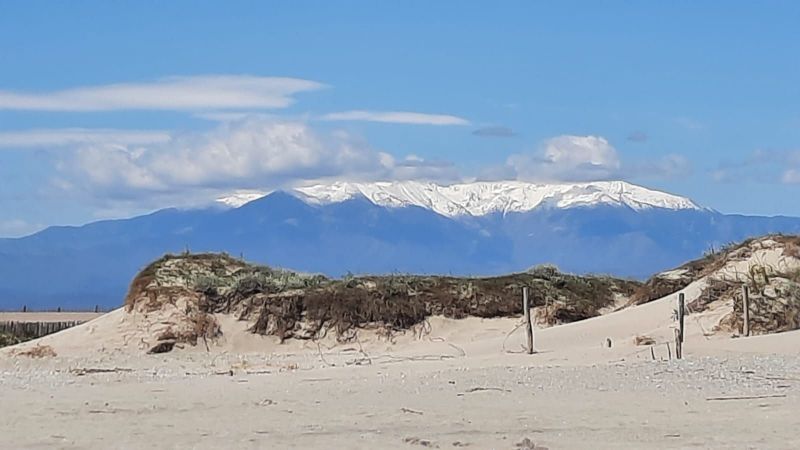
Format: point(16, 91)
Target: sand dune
point(445, 383)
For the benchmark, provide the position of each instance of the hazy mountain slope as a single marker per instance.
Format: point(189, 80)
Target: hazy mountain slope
point(69, 266)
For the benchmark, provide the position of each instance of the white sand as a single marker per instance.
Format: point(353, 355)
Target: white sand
point(447, 384)
point(462, 384)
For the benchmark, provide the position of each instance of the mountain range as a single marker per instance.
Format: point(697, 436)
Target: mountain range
point(480, 228)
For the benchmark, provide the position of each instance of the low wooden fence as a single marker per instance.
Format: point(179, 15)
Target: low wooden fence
point(32, 330)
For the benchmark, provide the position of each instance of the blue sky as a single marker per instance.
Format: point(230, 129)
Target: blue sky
point(109, 109)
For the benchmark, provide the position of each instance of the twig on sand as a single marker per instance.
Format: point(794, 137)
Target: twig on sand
point(411, 411)
point(81, 371)
point(398, 359)
point(365, 356)
point(321, 356)
point(509, 335)
point(746, 397)
point(453, 346)
point(481, 389)
point(103, 411)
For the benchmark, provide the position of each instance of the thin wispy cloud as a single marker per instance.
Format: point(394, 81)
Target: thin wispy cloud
point(403, 117)
point(494, 131)
point(762, 166)
point(60, 137)
point(225, 116)
point(209, 92)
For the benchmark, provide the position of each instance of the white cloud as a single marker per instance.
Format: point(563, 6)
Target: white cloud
point(254, 154)
point(173, 93)
point(404, 117)
point(570, 158)
point(17, 228)
point(59, 137)
point(567, 158)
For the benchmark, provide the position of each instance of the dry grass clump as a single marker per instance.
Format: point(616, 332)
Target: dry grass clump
point(716, 289)
point(715, 259)
point(774, 309)
point(38, 351)
point(8, 339)
point(658, 287)
point(180, 272)
point(643, 340)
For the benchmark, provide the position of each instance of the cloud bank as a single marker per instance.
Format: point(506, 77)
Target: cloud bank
point(208, 92)
point(61, 137)
point(253, 154)
point(405, 117)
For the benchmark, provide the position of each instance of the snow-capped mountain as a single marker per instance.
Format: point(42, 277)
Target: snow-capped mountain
point(466, 229)
point(482, 198)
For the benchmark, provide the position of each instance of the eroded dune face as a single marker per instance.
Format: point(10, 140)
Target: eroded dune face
point(769, 267)
point(179, 300)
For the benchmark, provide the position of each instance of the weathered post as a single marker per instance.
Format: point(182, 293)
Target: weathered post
point(681, 309)
point(745, 310)
point(678, 345)
point(526, 307)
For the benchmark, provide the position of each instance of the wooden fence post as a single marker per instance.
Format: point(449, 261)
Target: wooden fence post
point(681, 309)
point(745, 310)
point(526, 307)
point(679, 333)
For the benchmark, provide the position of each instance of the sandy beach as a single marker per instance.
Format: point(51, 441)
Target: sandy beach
point(610, 381)
point(465, 384)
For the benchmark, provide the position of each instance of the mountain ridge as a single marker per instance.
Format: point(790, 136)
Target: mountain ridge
point(483, 197)
point(78, 267)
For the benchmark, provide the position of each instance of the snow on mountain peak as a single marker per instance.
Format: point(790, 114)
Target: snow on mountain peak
point(485, 197)
point(239, 198)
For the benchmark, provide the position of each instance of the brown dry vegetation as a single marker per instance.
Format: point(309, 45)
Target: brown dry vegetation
point(659, 286)
point(293, 305)
point(38, 351)
point(8, 339)
point(774, 291)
